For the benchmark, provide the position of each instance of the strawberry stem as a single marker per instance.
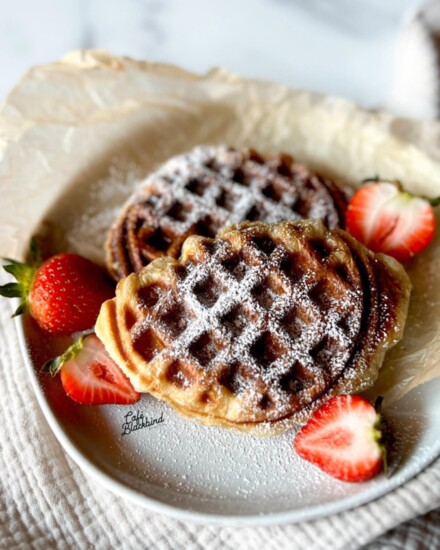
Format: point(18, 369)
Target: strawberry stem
point(374, 179)
point(35, 259)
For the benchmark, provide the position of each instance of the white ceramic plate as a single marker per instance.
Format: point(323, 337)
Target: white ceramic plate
point(177, 466)
point(208, 474)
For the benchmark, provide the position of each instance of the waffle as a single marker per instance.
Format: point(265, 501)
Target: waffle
point(202, 191)
point(256, 328)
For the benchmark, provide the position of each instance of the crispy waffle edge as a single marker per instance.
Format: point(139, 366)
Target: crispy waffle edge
point(396, 297)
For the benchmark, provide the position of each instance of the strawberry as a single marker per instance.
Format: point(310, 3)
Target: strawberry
point(63, 294)
point(90, 377)
point(385, 218)
point(343, 438)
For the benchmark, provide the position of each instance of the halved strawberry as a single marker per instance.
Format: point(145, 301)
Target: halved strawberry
point(343, 438)
point(387, 219)
point(90, 377)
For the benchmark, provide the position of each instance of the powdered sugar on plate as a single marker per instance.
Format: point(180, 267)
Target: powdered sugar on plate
point(179, 462)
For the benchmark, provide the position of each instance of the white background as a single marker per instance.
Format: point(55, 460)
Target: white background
point(341, 47)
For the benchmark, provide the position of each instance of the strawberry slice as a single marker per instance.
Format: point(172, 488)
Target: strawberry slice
point(387, 219)
point(90, 377)
point(343, 439)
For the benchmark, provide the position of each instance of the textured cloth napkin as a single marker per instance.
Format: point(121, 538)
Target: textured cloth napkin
point(47, 501)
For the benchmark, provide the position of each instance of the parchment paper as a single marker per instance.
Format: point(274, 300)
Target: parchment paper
point(76, 136)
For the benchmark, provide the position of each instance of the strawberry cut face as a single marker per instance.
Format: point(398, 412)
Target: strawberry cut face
point(91, 377)
point(388, 220)
point(341, 438)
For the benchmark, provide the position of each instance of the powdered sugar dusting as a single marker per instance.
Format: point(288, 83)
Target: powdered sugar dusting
point(221, 471)
point(209, 188)
point(216, 465)
point(185, 464)
point(99, 207)
point(277, 336)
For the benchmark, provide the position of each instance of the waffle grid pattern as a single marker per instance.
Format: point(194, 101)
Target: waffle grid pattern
point(268, 324)
point(258, 327)
point(209, 188)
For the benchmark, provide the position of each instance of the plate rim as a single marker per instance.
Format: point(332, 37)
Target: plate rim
point(118, 487)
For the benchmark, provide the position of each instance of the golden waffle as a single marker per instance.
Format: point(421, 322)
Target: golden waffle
point(256, 328)
point(208, 188)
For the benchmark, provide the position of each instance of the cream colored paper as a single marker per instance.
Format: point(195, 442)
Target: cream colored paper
point(76, 136)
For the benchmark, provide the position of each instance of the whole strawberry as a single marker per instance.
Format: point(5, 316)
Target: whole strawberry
point(63, 294)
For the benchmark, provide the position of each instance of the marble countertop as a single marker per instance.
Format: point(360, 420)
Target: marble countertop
point(341, 47)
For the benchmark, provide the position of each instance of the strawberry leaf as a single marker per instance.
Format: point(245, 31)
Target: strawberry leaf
point(382, 434)
point(433, 202)
point(22, 308)
point(11, 290)
point(379, 435)
point(54, 365)
point(24, 275)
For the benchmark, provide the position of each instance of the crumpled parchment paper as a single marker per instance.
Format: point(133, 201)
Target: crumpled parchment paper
point(77, 135)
